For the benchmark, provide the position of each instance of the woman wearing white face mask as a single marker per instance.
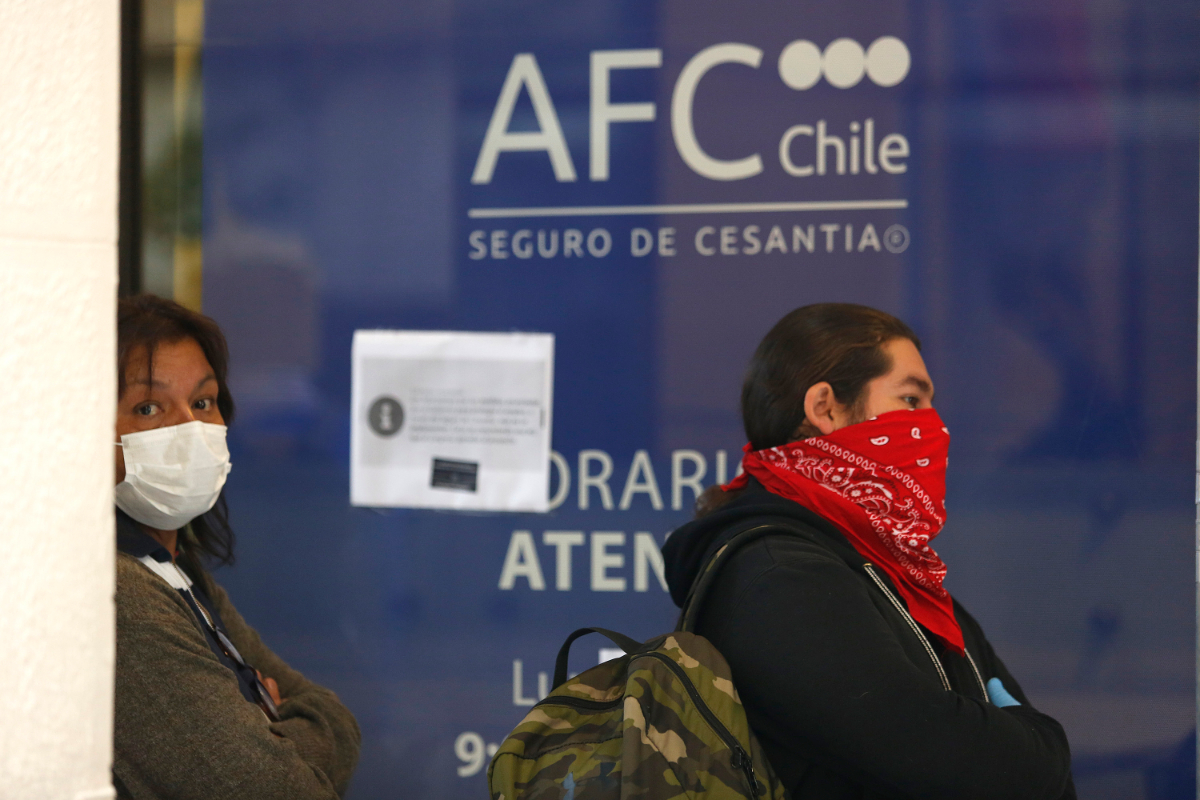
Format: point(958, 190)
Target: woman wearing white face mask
point(203, 708)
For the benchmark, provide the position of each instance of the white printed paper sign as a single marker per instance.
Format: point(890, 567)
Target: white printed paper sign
point(451, 420)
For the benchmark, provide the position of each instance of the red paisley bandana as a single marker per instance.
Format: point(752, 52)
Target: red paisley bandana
point(883, 484)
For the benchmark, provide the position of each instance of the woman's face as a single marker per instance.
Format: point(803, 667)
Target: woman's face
point(184, 390)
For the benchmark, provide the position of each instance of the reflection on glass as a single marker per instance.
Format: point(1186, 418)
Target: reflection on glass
point(173, 31)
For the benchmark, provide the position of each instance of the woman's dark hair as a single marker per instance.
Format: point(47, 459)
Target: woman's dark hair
point(143, 323)
point(837, 343)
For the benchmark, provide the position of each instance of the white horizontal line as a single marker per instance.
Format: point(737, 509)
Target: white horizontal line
point(685, 208)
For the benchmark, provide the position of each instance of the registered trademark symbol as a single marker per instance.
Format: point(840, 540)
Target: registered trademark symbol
point(895, 239)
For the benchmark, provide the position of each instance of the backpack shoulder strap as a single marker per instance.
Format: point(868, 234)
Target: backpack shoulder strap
point(751, 531)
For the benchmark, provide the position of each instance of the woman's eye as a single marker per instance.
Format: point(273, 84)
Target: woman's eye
point(204, 405)
point(912, 401)
point(144, 410)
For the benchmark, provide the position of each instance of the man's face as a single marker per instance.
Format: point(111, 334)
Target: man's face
point(907, 385)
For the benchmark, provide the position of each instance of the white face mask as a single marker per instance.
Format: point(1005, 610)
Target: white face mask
point(173, 474)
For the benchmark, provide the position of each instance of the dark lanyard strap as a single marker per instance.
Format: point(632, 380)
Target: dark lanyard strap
point(262, 695)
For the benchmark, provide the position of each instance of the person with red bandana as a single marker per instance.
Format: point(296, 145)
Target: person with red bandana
point(861, 676)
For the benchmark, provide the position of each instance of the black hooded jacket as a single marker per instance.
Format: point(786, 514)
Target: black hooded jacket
point(841, 690)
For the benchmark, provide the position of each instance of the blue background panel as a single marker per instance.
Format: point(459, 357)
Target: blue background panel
point(1050, 207)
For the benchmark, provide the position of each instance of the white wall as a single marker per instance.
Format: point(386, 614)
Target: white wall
point(59, 73)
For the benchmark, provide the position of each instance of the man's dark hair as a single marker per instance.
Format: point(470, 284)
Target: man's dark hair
point(143, 323)
point(838, 343)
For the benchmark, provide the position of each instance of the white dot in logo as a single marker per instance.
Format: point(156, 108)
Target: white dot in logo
point(800, 64)
point(895, 239)
point(888, 61)
point(844, 63)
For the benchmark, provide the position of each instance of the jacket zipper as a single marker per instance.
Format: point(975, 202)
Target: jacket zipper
point(740, 758)
point(982, 686)
point(915, 629)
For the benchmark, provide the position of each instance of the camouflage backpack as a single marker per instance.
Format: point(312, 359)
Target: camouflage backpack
point(662, 721)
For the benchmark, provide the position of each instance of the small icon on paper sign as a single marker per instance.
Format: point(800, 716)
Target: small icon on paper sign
point(386, 416)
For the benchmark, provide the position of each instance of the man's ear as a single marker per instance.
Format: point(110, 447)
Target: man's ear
point(819, 406)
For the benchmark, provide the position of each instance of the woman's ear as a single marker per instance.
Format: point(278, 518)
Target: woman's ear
point(820, 405)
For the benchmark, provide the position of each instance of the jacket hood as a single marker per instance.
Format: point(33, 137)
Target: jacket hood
point(689, 546)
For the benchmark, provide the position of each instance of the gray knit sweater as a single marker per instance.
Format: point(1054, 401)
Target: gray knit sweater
point(182, 729)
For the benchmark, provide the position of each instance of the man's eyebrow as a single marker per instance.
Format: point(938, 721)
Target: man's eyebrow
point(922, 384)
